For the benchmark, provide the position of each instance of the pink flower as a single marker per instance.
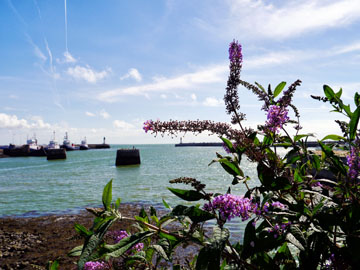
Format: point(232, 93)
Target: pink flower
point(96, 266)
point(148, 125)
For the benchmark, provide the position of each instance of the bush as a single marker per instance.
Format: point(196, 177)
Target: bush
point(297, 218)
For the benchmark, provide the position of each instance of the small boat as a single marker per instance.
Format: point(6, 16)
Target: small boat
point(67, 144)
point(84, 145)
point(34, 148)
point(53, 144)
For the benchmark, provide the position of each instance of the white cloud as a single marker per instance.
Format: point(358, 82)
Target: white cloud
point(122, 124)
point(193, 97)
point(284, 19)
point(12, 96)
point(185, 81)
point(68, 58)
point(163, 96)
point(104, 114)
point(90, 114)
point(13, 122)
point(213, 102)
point(87, 73)
point(132, 73)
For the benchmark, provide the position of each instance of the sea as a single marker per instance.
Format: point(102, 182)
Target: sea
point(34, 186)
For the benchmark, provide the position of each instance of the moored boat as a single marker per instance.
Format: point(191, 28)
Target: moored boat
point(53, 144)
point(67, 144)
point(84, 145)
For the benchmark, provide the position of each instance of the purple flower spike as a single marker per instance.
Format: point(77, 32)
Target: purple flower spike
point(235, 54)
point(276, 118)
point(96, 266)
point(231, 206)
point(353, 161)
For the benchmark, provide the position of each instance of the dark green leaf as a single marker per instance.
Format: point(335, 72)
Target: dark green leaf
point(142, 213)
point(357, 99)
point(107, 195)
point(354, 123)
point(329, 93)
point(338, 94)
point(279, 88)
point(280, 183)
point(231, 167)
point(82, 230)
point(316, 162)
point(53, 265)
point(194, 213)
point(187, 195)
point(153, 211)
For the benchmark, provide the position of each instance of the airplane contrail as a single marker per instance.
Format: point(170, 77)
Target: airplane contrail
point(66, 43)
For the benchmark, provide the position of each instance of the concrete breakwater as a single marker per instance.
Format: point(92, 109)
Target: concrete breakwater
point(26, 151)
point(127, 157)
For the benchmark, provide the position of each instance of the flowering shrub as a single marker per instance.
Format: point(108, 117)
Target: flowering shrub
point(304, 214)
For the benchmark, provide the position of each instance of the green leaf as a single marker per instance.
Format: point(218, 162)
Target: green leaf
point(296, 237)
point(187, 195)
point(153, 211)
point(357, 99)
point(143, 214)
point(316, 162)
point(329, 93)
point(166, 204)
point(249, 240)
point(338, 94)
point(279, 88)
point(194, 213)
point(354, 123)
point(124, 245)
point(53, 265)
point(117, 203)
point(82, 230)
point(107, 195)
point(300, 136)
point(228, 144)
point(333, 137)
point(160, 250)
point(76, 251)
point(280, 183)
point(231, 167)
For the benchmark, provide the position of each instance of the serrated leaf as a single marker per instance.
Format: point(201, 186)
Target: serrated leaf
point(279, 88)
point(187, 195)
point(107, 195)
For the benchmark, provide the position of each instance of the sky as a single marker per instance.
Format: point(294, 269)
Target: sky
point(100, 69)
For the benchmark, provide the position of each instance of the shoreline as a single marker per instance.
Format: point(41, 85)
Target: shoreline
point(26, 242)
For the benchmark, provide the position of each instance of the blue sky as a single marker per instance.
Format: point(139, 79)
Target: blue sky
point(101, 68)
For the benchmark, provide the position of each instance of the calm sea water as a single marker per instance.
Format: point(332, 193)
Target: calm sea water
point(33, 186)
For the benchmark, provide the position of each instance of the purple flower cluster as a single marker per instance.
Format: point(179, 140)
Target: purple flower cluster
point(276, 118)
point(148, 125)
point(353, 161)
point(279, 229)
point(96, 266)
point(235, 54)
point(230, 206)
point(119, 235)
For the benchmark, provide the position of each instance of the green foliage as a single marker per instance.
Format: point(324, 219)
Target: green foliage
point(304, 213)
